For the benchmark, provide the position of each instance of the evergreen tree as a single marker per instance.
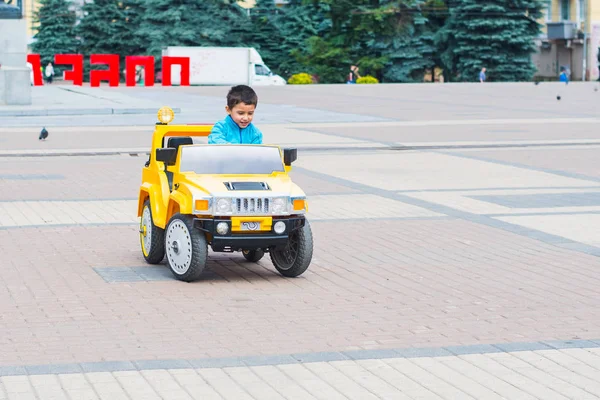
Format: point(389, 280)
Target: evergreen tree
point(330, 54)
point(298, 21)
point(496, 34)
point(399, 46)
point(131, 43)
point(193, 23)
point(54, 22)
point(108, 27)
point(98, 31)
point(101, 27)
point(266, 36)
point(380, 36)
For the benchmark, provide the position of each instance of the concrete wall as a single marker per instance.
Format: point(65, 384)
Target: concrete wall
point(15, 85)
point(549, 61)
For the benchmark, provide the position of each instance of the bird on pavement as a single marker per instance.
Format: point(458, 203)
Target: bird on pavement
point(43, 134)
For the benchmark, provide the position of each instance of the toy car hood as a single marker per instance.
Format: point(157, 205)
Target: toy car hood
point(241, 186)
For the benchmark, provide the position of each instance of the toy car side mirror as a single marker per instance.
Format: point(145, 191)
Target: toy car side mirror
point(289, 156)
point(168, 155)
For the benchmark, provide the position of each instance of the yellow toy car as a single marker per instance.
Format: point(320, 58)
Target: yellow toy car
point(231, 197)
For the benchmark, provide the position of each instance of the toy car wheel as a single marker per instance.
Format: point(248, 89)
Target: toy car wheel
point(152, 238)
point(293, 259)
point(253, 255)
point(186, 248)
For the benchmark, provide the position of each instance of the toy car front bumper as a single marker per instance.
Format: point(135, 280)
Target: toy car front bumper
point(233, 241)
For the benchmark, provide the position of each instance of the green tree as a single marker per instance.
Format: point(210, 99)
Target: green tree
point(400, 45)
point(99, 31)
point(109, 27)
point(54, 22)
point(131, 42)
point(193, 23)
point(266, 35)
point(101, 27)
point(380, 36)
point(496, 34)
point(298, 21)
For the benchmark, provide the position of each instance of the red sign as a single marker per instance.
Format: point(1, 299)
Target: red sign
point(36, 64)
point(112, 74)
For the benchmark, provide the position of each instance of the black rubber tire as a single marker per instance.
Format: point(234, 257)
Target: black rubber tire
point(156, 253)
point(253, 255)
point(292, 264)
point(195, 242)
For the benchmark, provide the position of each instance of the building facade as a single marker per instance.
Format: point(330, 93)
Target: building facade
point(570, 39)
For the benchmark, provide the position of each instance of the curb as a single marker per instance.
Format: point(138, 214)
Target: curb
point(296, 358)
point(79, 111)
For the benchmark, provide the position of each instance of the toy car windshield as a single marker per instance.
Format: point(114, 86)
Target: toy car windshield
point(231, 159)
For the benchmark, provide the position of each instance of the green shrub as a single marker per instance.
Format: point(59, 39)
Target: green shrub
point(367, 79)
point(300, 79)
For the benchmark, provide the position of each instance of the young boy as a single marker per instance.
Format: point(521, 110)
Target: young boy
point(237, 127)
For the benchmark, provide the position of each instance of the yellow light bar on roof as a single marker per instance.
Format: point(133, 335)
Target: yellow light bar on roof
point(165, 115)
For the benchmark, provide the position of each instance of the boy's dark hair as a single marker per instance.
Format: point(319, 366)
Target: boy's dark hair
point(241, 94)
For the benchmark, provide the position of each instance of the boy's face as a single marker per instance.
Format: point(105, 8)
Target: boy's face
point(241, 114)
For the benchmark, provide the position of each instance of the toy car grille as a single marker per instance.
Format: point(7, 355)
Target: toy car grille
point(256, 205)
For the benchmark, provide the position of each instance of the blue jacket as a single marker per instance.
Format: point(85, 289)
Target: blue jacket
point(563, 77)
point(227, 131)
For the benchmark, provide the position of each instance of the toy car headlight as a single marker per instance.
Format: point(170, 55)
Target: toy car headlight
point(223, 206)
point(165, 115)
point(279, 205)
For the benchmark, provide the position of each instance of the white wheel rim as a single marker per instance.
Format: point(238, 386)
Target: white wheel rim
point(179, 247)
point(147, 228)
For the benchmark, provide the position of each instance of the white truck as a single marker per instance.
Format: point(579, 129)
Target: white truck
point(223, 66)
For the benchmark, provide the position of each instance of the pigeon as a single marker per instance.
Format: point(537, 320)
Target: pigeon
point(43, 134)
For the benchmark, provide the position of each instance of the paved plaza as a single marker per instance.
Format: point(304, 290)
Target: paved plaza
point(457, 250)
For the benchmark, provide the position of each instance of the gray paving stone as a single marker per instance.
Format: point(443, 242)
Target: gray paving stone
point(118, 274)
point(370, 354)
point(320, 357)
point(107, 366)
point(53, 369)
point(522, 346)
point(162, 364)
point(10, 371)
point(423, 352)
point(529, 167)
point(544, 200)
point(570, 344)
point(218, 362)
point(472, 349)
point(252, 361)
point(145, 274)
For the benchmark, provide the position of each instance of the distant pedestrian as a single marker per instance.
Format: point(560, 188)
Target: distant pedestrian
point(49, 73)
point(482, 75)
point(563, 77)
point(353, 74)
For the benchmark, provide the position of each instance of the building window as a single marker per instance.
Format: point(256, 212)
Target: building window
point(580, 12)
point(548, 10)
point(565, 12)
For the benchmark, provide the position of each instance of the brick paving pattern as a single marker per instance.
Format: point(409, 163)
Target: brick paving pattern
point(436, 274)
